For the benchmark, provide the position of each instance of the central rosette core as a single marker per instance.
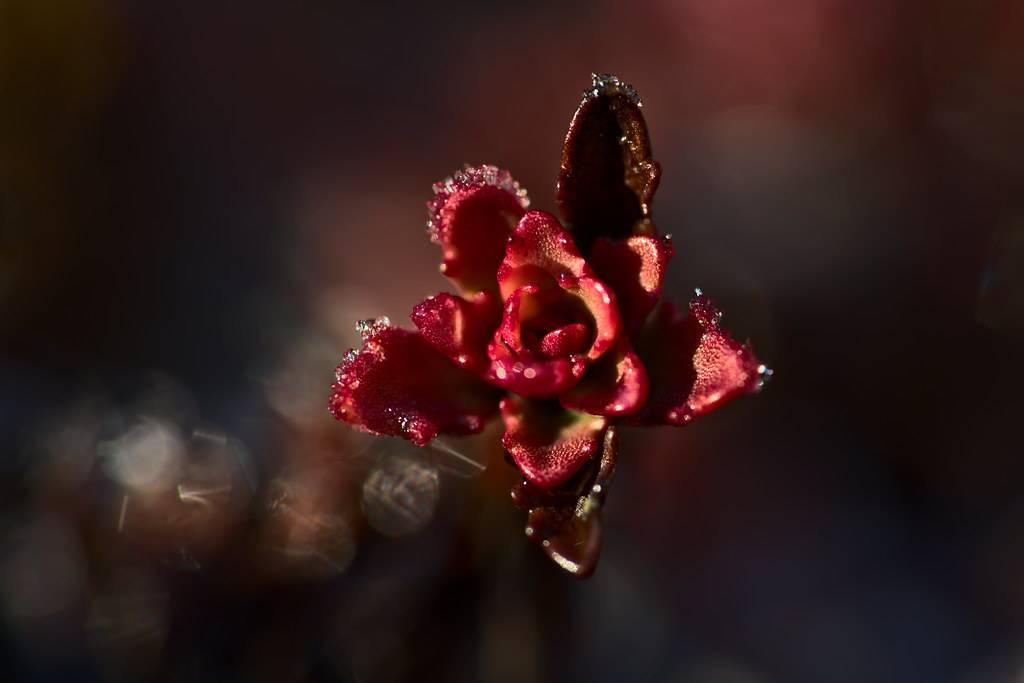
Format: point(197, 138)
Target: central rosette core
point(547, 323)
point(557, 318)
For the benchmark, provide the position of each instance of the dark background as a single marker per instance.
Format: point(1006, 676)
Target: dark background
point(197, 202)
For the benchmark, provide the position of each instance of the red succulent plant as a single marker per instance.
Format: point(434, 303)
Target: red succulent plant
point(558, 326)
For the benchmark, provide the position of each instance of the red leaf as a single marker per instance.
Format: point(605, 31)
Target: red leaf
point(533, 377)
point(399, 385)
point(600, 303)
point(565, 340)
point(471, 216)
point(615, 385)
point(458, 327)
point(547, 442)
point(635, 269)
point(693, 364)
point(539, 252)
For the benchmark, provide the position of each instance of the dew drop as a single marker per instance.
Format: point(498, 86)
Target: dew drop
point(609, 84)
point(372, 326)
point(567, 281)
point(764, 373)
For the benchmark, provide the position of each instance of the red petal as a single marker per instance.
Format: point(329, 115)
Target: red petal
point(694, 365)
point(534, 377)
point(539, 252)
point(460, 328)
point(615, 385)
point(471, 216)
point(635, 269)
point(608, 177)
point(399, 385)
point(547, 442)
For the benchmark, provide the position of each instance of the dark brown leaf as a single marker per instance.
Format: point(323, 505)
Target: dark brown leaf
point(607, 178)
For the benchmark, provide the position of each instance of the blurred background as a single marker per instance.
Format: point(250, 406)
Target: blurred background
point(198, 202)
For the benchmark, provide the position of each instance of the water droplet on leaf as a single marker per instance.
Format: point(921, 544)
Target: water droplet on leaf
point(372, 326)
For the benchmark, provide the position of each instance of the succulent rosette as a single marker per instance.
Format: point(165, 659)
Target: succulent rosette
point(559, 327)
